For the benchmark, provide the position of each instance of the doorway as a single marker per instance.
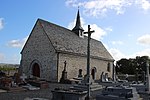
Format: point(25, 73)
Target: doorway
point(93, 73)
point(36, 70)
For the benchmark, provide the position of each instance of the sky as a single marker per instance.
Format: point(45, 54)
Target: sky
point(123, 26)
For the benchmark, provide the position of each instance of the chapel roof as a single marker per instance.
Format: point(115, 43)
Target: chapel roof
point(66, 41)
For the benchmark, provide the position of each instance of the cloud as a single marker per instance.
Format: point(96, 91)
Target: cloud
point(145, 52)
point(98, 8)
point(1, 23)
point(19, 43)
point(109, 29)
point(98, 34)
point(144, 4)
point(117, 42)
point(144, 40)
point(117, 55)
point(1, 57)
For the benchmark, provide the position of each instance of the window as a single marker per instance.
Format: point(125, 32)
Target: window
point(108, 67)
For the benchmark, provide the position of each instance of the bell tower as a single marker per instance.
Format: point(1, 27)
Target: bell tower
point(78, 29)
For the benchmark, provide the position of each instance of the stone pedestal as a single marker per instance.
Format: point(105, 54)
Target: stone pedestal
point(84, 86)
point(93, 87)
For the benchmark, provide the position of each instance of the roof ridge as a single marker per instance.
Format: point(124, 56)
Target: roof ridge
point(54, 24)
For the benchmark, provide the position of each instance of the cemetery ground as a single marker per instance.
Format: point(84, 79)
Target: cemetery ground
point(41, 93)
point(14, 88)
point(46, 93)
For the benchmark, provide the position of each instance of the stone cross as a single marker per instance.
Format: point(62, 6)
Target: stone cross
point(88, 61)
point(23, 77)
point(64, 72)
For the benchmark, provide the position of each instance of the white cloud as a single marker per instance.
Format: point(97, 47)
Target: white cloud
point(98, 34)
point(117, 55)
point(144, 4)
point(1, 57)
point(98, 8)
point(130, 35)
point(117, 42)
point(145, 52)
point(1, 23)
point(145, 39)
point(17, 43)
point(109, 29)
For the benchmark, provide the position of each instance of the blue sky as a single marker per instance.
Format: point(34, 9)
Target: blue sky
point(122, 25)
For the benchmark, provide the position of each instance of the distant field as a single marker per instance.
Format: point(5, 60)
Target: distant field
point(9, 69)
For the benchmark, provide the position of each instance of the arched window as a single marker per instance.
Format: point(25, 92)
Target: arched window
point(109, 67)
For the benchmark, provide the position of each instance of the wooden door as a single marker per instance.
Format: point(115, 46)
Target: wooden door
point(36, 70)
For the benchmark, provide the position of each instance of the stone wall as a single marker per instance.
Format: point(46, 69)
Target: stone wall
point(38, 49)
point(75, 62)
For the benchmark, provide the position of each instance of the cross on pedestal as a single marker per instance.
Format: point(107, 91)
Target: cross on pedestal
point(88, 61)
point(64, 73)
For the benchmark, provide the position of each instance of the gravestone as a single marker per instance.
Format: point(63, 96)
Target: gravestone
point(80, 73)
point(78, 79)
point(105, 82)
point(102, 77)
point(106, 77)
point(118, 93)
point(23, 77)
point(17, 79)
point(83, 85)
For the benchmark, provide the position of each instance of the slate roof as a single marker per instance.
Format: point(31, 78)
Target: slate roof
point(66, 41)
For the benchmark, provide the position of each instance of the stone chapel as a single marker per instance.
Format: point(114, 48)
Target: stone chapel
point(50, 45)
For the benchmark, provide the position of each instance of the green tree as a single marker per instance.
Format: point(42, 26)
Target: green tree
point(132, 66)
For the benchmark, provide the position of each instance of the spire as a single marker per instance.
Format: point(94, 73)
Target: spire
point(78, 29)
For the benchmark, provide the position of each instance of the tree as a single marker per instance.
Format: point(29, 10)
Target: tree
point(132, 66)
point(124, 66)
